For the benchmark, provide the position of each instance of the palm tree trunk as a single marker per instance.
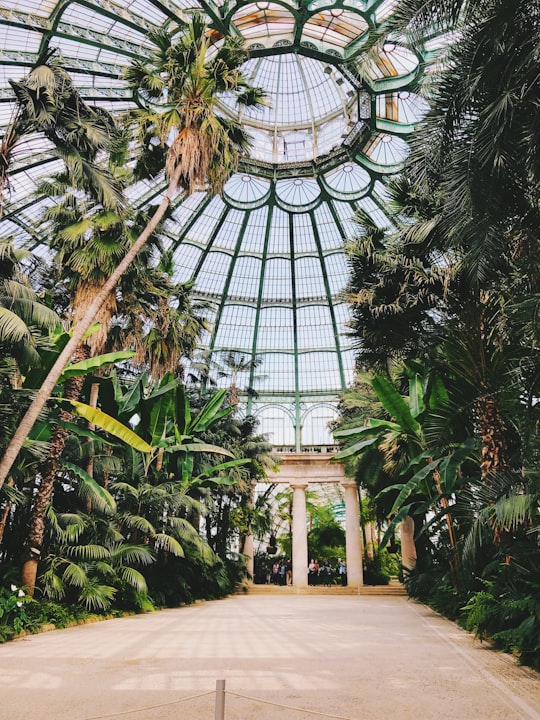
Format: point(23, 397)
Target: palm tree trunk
point(36, 524)
point(5, 511)
point(493, 433)
point(79, 330)
point(94, 394)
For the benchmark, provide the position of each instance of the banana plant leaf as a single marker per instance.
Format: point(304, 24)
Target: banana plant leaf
point(110, 425)
point(85, 432)
point(198, 447)
point(355, 448)
point(414, 483)
point(395, 405)
point(210, 413)
point(86, 367)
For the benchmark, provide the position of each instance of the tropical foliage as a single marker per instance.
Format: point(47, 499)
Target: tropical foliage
point(119, 490)
point(442, 424)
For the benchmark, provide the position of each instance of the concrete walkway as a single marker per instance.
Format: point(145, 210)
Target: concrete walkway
point(353, 657)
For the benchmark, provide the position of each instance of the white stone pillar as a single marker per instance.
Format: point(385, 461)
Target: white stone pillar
point(353, 536)
point(370, 540)
point(408, 548)
point(299, 535)
point(247, 550)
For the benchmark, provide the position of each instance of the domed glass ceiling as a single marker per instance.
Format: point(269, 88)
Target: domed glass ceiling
point(267, 255)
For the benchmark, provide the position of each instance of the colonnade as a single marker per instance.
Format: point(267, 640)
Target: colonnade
point(298, 470)
point(353, 536)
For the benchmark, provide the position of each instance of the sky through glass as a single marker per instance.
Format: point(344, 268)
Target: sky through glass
point(268, 256)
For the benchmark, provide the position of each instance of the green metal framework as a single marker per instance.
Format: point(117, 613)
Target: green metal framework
point(268, 255)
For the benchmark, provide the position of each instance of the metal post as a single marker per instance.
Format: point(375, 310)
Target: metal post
point(220, 700)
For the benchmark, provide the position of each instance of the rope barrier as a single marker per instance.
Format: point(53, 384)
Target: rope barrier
point(150, 707)
point(287, 707)
point(224, 692)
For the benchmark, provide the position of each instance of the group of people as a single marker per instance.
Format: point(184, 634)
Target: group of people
point(325, 574)
point(318, 574)
point(282, 572)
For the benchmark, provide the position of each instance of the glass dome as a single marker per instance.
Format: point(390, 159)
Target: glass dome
point(268, 254)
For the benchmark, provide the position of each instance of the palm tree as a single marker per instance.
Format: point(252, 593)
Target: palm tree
point(23, 319)
point(49, 104)
point(230, 365)
point(21, 310)
point(89, 242)
point(205, 149)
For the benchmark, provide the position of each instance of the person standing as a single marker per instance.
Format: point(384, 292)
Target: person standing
point(342, 569)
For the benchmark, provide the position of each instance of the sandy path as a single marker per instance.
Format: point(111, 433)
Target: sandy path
point(353, 657)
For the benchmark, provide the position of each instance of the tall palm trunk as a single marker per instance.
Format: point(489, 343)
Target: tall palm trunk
point(5, 511)
point(36, 524)
point(79, 331)
point(493, 433)
point(93, 401)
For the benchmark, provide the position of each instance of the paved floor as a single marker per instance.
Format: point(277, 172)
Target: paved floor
point(350, 657)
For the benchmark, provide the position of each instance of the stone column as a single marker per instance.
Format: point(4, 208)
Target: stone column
point(408, 548)
point(370, 540)
point(353, 536)
point(247, 550)
point(299, 535)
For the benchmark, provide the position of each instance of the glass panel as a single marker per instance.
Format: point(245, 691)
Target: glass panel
point(315, 430)
point(245, 279)
point(277, 424)
point(309, 279)
point(278, 373)
point(304, 238)
point(337, 272)
point(254, 234)
point(315, 329)
point(329, 233)
point(277, 280)
point(275, 330)
point(236, 328)
point(229, 230)
point(213, 273)
point(317, 370)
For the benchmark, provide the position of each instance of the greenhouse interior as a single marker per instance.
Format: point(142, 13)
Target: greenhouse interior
point(269, 307)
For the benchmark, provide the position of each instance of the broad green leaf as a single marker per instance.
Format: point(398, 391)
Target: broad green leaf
point(355, 449)
point(367, 429)
point(158, 410)
point(84, 432)
point(450, 465)
point(110, 425)
point(390, 530)
point(207, 415)
point(183, 414)
point(416, 396)
point(394, 404)
point(224, 466)
point(132, 397)
point(411, 485)
point(438, 395)
point(199, 447)
point(87, 367)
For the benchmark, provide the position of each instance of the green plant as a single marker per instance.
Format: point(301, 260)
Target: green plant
point(13, 616)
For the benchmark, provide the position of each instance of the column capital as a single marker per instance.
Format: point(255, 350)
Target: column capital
point(349, 484)
point(298, 484)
